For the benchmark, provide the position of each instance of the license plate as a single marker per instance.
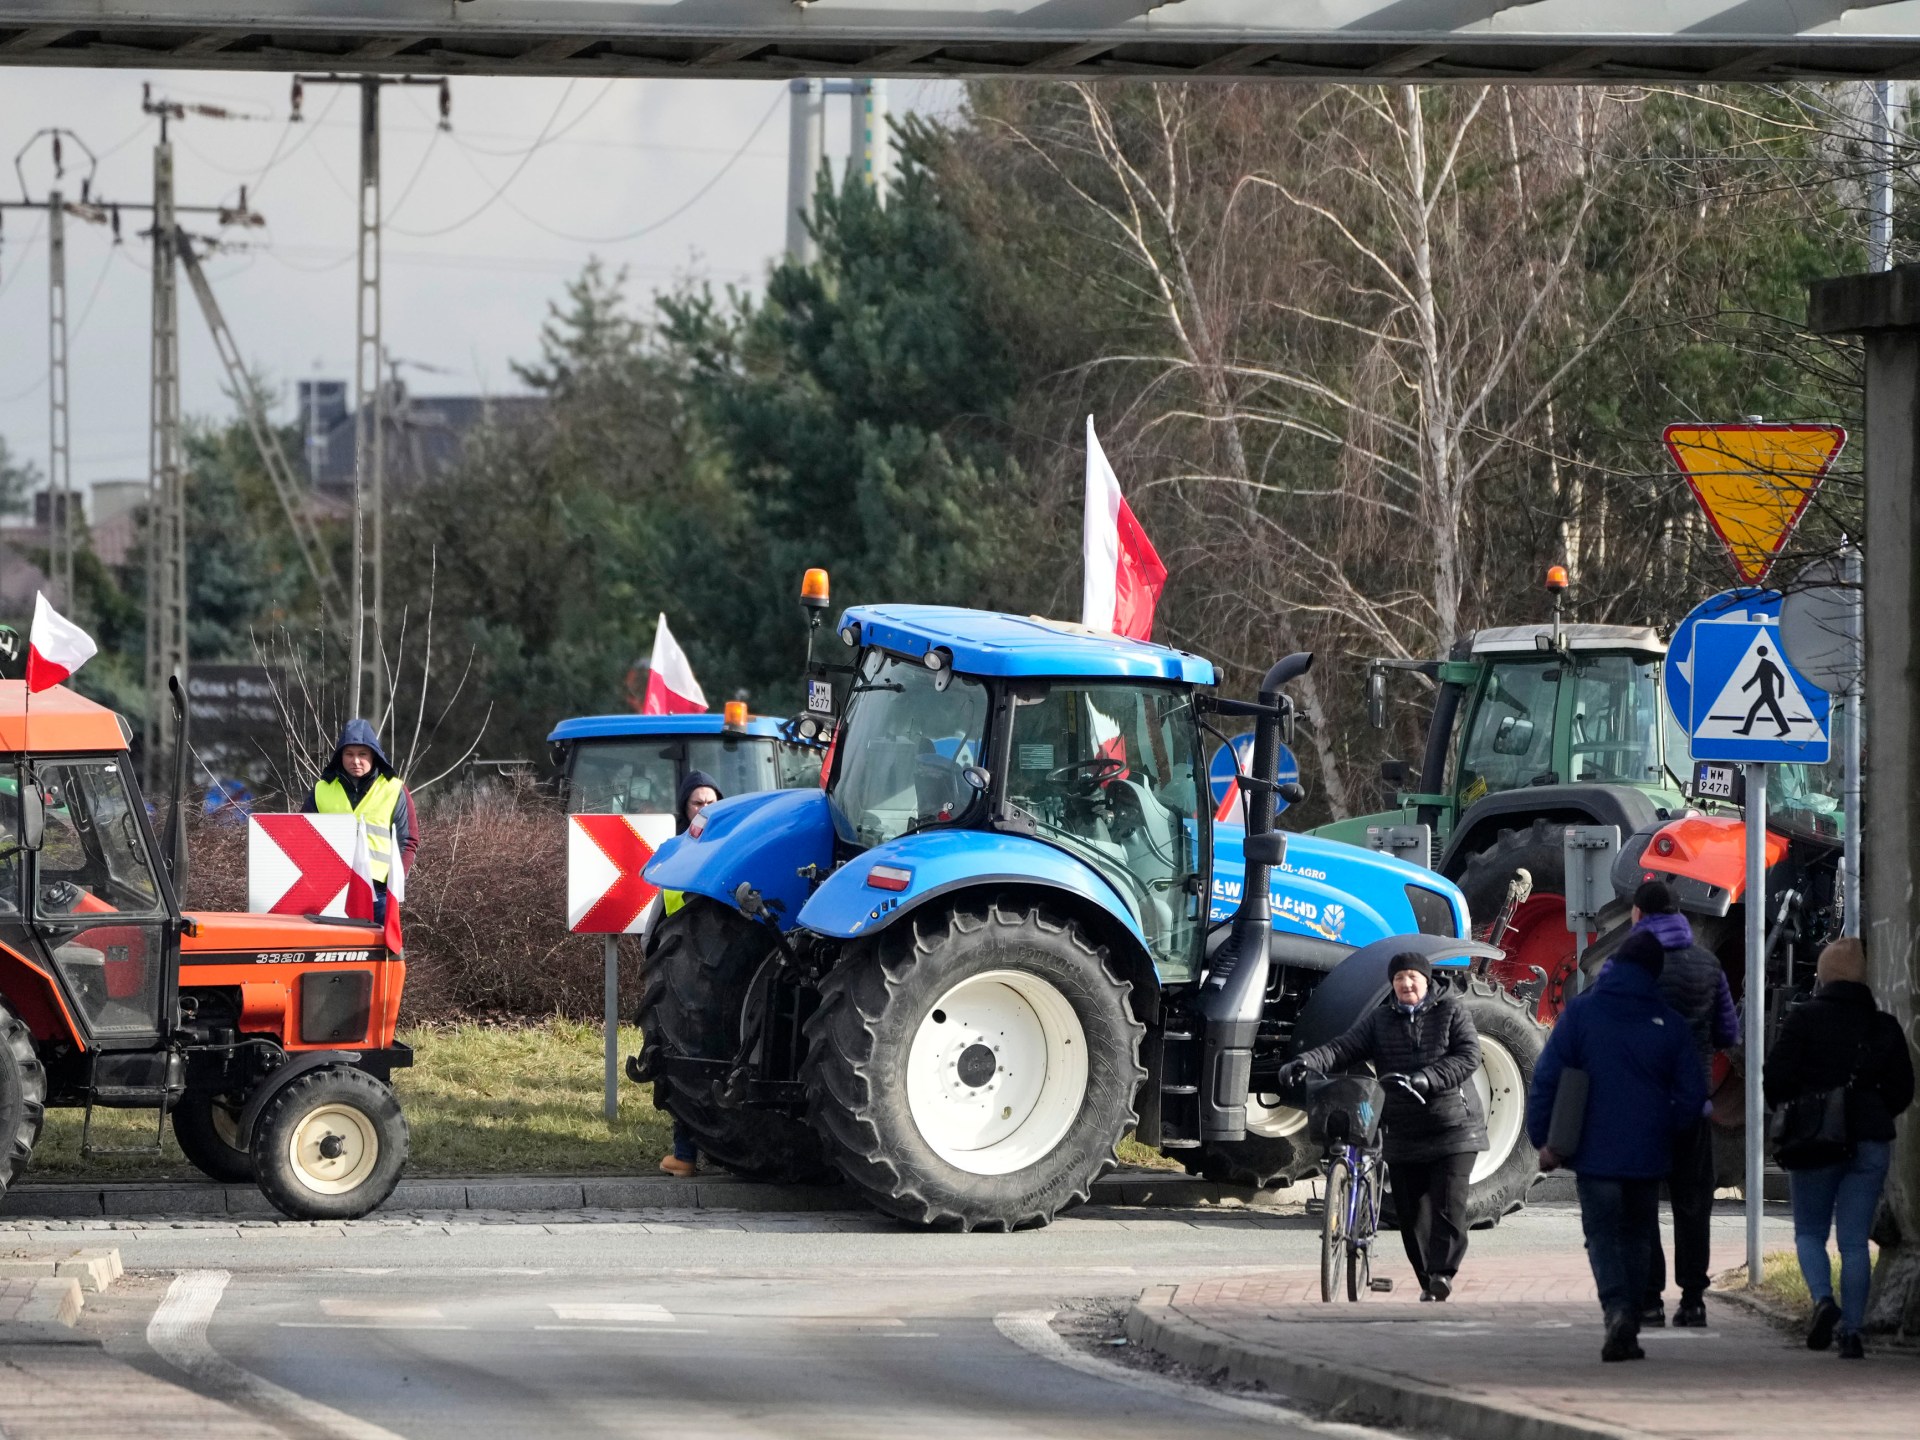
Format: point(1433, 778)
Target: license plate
point(1715, 782)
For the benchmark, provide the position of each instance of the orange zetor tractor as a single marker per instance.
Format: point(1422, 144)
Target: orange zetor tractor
point(268, 1038)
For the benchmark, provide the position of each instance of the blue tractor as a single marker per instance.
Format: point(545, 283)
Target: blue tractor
point(1006, 933)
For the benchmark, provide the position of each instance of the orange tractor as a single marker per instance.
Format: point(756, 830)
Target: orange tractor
point(269, 1039)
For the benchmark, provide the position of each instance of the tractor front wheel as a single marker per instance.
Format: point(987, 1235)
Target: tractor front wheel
point(330, 1145)
point(695, 989)
point(974, 1070)
point(23, 1097)
point(207, 1127)
point(1275, 1153)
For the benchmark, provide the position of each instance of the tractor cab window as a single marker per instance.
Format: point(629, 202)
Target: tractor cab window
point(1510, 743)
point(12, 857)
point(624, 777)
point(909, 732)
point(1112, 773)
point(98, 902)
point(1614, 730)
point(741, 764)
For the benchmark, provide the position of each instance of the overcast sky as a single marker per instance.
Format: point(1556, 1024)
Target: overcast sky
point(485, 223)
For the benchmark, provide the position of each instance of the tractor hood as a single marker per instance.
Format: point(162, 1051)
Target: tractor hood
point(766, 839)
point(219, 932)
point(1338, 892)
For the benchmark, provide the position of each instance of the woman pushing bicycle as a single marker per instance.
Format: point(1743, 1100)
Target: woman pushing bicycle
point(1427, 1039)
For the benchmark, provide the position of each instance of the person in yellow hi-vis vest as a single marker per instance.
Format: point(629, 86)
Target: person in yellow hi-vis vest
point(361, 781)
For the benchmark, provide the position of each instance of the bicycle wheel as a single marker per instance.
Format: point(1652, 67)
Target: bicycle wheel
point(1333, 1228)
point(1360, 1232)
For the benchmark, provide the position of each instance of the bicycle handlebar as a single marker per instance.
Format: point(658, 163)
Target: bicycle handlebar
point(1391, 1078)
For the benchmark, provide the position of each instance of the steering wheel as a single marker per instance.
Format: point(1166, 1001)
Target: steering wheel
point(1099, 769)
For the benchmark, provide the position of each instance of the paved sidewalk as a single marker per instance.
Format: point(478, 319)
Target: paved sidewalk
point(1516, 1356)
point(75, 1392)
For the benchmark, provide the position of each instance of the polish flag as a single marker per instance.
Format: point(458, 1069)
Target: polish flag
point(671, 688)
point(56, 647)
point(1124, 575)
point(360, 883)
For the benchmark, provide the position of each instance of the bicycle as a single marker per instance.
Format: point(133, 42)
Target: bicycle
point(1345, 1112)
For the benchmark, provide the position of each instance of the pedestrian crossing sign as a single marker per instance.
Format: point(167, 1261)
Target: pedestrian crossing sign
point(1749, 703)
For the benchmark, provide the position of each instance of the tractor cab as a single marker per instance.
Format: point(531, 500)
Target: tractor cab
point(943, 731)
point(634, 764)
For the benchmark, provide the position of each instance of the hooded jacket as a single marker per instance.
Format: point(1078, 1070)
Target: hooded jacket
point(1694, 983)
point(1645, 1083)
point(695, 779)
point(1840, 1036)
point(1436, 1039)
point(405, 822)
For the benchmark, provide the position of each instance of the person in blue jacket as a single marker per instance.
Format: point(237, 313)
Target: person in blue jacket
point(1645, 1085)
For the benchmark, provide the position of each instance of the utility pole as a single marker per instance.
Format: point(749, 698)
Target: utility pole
point(1880, 188)
point(60, 503)
point(367, 687)
point(869, 148)
point(166, 488)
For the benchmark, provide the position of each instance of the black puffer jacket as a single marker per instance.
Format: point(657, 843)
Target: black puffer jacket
point(1437, 1040)
point(1839, 1034)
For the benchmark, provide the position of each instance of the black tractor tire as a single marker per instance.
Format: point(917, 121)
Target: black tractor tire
point(1511, 1039)
point(23, 1097)
point(207, 1128)
point(330, 1145)
point(1262, 1162)
point(1538, 850)
point(701, 961)
point(1026, 987)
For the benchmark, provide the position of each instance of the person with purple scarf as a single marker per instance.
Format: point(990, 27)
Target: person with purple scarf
point(1693, 983)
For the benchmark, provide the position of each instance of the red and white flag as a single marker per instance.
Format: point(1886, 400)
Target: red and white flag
point(56, 647)
point(671, 688)
point(1124, 576)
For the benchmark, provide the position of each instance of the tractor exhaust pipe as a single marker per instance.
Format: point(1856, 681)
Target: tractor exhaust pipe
point(176, 838)
point(1236, 986)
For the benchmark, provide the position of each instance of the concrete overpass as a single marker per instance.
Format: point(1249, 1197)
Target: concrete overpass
point(1301, 40)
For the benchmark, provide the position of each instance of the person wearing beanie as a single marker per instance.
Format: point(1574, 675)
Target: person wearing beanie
point(1425, 1036)
point(1693, 983)
point(1645, 1085)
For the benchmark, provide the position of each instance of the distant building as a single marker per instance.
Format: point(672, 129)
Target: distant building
point(425, 435)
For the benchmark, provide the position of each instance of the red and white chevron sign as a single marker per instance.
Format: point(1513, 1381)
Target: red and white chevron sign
point(605, 854)
point(304, 865)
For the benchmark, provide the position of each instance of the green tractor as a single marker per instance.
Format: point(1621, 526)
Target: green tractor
point(1534, 728)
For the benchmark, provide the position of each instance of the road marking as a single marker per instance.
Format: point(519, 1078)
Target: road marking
point(178, 1334)
point(625, 1313)
point(624, 1329)
point(366, 1325)
point(378, 1310)
point(1032, 1331)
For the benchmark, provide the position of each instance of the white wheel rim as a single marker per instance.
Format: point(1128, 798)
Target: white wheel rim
point(1503, 1101)
point(1273, 1122)
point(997, 1072)
point(333, 1149)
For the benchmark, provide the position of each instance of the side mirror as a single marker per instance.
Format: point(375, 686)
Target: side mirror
point(33, 814)
point(1377, 699)
point(1513, 737)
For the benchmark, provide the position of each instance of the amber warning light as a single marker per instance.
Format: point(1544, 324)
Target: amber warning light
point(1556, 577)
point(814, 590)
point(735, 715)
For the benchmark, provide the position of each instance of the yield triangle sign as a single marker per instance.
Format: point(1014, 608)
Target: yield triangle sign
point(1754, 482)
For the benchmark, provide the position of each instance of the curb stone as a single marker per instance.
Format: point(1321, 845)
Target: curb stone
point(82, 1201)
point(1349, 1392)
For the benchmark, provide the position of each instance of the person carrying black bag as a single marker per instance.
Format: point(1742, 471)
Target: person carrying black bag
point(1838, 1040)
point(1428, 1038)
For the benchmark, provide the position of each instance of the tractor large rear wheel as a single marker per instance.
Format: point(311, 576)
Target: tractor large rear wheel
point(695, 989)
point(1511, 1039)
point(207, 1128)
point(1537, 935)
point(1275, 1153)
point(23, 1097)
point(974, 1070)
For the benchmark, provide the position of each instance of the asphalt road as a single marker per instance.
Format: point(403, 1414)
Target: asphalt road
point(825, 1325)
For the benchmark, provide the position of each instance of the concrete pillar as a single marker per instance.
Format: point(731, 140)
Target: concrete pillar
point(805, 118)
point(1884, 310)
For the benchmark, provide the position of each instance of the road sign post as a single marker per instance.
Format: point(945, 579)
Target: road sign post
point(607, 896)
point(1755, 1000)
point(1589, 852)
point(1745, 702)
